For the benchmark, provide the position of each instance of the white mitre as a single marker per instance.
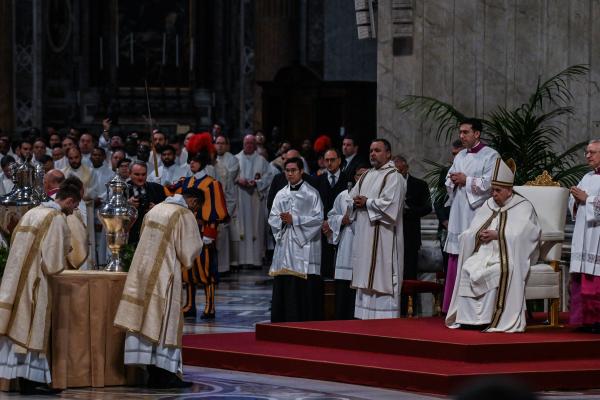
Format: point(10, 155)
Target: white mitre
point(504, 173)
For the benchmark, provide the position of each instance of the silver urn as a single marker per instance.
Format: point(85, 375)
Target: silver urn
point(117, 217)
point(27, 192)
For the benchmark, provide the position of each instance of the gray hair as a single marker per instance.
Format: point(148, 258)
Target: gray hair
point(594, 141)
point(140, 163)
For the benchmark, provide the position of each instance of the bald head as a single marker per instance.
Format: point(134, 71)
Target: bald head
point(249, 144)
point(53, 179)
point(292, 153)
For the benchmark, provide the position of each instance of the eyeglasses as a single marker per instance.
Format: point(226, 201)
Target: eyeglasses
point(292, 171)
point(585, 153)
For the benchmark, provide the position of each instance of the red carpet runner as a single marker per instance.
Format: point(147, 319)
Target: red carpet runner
point(409, 354)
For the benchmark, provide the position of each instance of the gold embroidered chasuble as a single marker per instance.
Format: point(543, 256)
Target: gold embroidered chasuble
point(151, 301)
point(39, 248)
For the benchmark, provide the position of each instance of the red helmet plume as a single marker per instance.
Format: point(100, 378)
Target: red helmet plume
point(322, 144)
point(200, 142)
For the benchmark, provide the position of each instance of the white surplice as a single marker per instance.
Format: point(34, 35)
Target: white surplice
point(227, 169)
point(378, 251)
point(490, 284)
point(342, 235)
point(252, 208)
point(585, 248)
point(297, 247)
point(465, 200)
point(169, 175)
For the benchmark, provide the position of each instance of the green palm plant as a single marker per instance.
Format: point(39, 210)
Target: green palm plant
point(528, 133)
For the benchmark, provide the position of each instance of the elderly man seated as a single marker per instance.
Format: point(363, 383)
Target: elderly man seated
point(495, 255)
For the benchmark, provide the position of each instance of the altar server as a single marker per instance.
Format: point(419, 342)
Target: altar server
point(495, 255)
point(38, 249)
point(468, 186)
point(584, 205)
point(342, 231)
point(150, 307)
point(378, 251)
point(295, 219)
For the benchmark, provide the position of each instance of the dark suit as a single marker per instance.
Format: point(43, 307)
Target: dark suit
point(350, 169)
point(280, 181)
point(328, 195)
point(151, 193)
point(417, 204)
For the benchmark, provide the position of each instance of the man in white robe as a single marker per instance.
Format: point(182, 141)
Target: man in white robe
point(227, 170)
point(378, 256)
point(342, 230)
point(584, 205)
point(91, 192)
point(253, 185)
point(6, 182)
point(169, 172)
point(104, 174)
point(41, 242)
point(468, 186)
point(101, 168)
point(150, 307)
point(295, 219)
point(496, 253)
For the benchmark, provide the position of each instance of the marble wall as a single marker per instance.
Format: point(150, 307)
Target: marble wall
point(478, 54)
point(346, 57)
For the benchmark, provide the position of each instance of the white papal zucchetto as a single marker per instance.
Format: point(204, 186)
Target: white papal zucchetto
point(504, 173)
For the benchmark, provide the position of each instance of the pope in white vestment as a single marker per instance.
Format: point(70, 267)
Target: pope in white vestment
point(150, 307)
point(253, 185)
point(39, 248)
point(227, 170)
point(496, 253)
point(378, 251)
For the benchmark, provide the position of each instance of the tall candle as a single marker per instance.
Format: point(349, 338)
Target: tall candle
point(191, 54)
point(177, 50)
point(101, 53)
point(164, 49)
point(131, 61)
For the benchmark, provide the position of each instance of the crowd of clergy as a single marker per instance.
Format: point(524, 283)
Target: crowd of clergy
point(314, 213)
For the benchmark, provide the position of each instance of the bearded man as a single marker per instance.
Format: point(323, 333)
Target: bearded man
point(378, 247)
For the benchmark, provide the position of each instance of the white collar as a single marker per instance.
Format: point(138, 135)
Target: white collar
point(200, 174)
point(51, 204)
point(176, 199)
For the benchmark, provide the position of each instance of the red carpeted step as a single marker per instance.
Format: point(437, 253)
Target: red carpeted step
point(241, 351)
point(430, 338)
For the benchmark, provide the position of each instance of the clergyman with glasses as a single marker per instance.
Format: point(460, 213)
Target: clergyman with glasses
point(584, 205)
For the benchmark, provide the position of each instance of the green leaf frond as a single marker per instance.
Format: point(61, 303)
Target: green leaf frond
point(433, 111)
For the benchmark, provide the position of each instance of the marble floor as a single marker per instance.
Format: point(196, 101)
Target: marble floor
point(243, 299)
